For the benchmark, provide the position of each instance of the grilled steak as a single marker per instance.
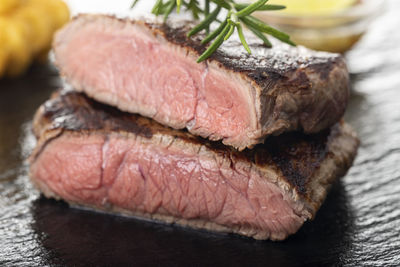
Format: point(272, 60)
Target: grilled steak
point(151, 69)
point(96, 156)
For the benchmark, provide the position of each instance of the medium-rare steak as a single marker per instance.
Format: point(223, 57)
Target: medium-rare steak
point(151, 69)
point(96, 156)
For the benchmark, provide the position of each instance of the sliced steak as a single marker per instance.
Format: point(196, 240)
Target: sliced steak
point(151, 69)
point(96, 156)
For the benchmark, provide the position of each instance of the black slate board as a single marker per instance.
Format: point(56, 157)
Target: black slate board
point(359, 224)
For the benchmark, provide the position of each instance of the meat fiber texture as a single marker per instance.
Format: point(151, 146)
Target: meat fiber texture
point(150, 69)
point(95, 156)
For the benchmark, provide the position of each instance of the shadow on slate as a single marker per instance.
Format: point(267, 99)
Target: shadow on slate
point(84, 238)
point(18, 100)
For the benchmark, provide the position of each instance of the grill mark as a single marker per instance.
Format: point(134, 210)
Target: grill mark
point(298, 158)
point(75, 112)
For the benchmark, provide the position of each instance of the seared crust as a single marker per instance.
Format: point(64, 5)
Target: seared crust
point(306, 164)
point(274, 63)
point(293, 88)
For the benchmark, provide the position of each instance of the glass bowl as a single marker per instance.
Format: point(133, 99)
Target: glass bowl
point(336, 32)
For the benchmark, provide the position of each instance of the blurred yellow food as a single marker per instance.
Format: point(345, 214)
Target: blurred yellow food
point(3, 50)
point(9, 5)
point(56, 9)
point(26, 31)
point(41, 26)
point(59, 13)
point(313, 7)
point(337, 43)
point(19, 55)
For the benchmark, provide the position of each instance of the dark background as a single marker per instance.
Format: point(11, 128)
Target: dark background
point(358, 225)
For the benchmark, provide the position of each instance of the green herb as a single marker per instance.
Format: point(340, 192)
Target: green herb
point(238, 14)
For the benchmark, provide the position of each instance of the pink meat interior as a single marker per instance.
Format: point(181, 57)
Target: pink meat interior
point(138, 177)
point(127, 66)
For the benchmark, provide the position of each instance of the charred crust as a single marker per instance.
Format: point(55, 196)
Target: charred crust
point(324, 70)
point(178, 36)
point(296, 155)
point(300, 83)
point(75, 112)
point(264, 66)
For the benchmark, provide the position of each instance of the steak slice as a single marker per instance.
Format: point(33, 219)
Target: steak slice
point(151, 69)
point(96, 156)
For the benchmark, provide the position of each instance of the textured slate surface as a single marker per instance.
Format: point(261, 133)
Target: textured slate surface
point(359, 224)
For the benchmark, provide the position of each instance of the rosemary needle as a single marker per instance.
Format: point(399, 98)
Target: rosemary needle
point(238, 15)
point(217, 43)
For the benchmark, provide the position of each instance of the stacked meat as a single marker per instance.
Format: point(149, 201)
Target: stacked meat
point(241, 143)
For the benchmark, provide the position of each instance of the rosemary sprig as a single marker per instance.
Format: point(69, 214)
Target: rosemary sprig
point(238, 15)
